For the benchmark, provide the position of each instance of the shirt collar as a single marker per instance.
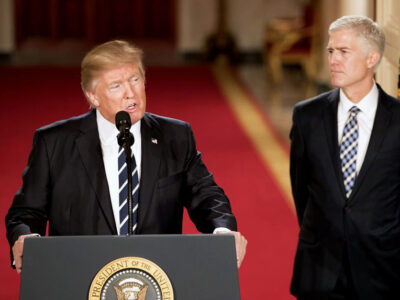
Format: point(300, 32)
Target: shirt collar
point(108, 131)
point(367, 105)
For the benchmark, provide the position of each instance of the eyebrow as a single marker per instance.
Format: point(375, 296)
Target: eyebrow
point(134, 74)
point(338, 48)
point(114, 82)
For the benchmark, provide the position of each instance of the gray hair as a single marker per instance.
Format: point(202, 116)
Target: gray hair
point(366, 29)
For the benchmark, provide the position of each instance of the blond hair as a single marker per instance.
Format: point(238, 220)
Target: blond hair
point(107, 56)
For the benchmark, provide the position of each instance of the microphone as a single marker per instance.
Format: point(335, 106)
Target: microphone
point(125, 140)
point(123, 123)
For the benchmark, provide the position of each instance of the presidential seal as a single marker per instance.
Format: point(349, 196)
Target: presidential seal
point(131, 278)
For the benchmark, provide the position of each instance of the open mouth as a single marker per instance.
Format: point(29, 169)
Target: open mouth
point(132, 106)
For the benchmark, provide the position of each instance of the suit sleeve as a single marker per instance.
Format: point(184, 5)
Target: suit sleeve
point(207, 204)
point(28, 212)
point(298, 167)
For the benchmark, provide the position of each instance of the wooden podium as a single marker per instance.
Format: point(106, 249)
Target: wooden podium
point(144, 267)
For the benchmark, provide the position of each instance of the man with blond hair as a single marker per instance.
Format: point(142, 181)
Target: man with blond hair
point(73, 180)
point(345, 173)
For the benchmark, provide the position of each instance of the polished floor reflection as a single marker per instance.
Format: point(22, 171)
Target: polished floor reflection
point(278, 100)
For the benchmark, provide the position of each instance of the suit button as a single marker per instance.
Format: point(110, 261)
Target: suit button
point(346, 209)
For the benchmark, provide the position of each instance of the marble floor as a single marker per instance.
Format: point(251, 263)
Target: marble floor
point(277, 100)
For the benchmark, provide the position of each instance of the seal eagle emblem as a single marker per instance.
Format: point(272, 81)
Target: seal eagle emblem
point(131, 289)
point(131, 278)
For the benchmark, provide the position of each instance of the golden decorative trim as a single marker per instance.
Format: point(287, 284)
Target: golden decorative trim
point(128, 277)
point(274, 156)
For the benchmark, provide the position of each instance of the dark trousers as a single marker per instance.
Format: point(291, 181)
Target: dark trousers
point(344, 289)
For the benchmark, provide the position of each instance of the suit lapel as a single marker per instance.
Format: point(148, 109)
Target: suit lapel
point(151, 157)
point(331, 129)
point(89, 148)
point(382, 121)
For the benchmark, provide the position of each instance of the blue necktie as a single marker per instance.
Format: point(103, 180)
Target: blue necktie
point(123, 193)
point(348, 150)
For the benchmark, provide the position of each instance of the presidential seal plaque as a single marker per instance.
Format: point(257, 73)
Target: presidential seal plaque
point(131, 278)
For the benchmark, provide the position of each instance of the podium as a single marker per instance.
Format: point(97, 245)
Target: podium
point(144, 267)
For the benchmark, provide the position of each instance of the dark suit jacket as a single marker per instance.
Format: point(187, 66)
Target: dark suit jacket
point(65, 183)
point(367, 224)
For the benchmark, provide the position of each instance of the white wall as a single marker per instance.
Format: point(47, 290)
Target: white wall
point(329, 13)
point(357, 7)
point(7, 44)
point(196, 19)
point(246, 20)
point(388, 17)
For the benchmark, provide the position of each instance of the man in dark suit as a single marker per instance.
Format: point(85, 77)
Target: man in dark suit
point(73, 179)
point(345, 173)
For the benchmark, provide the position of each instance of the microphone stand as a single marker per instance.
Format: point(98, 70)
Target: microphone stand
point(126, 139)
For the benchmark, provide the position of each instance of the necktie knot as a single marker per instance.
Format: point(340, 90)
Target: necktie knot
point(354, 111)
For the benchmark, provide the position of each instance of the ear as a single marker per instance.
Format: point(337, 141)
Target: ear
point(93, 98)
point(372, 59)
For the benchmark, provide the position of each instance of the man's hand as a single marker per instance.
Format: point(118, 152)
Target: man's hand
point(240, 243)
point(18, 250)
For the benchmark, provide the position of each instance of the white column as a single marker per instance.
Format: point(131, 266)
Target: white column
point(357, 7)
point(7, 43)
point(330, 11)
point(388, 17)
point(196, 20)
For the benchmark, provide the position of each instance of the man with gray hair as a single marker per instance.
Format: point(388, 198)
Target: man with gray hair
point(345, 174)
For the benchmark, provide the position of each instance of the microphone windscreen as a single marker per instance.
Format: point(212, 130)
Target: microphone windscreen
point(122, 118)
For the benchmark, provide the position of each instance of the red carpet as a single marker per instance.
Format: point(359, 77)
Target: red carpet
point(32, 97)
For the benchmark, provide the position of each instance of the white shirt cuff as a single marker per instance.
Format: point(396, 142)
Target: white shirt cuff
point(221, 230)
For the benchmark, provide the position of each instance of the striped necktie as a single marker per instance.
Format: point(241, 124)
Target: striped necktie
point(123, 193)
point(348, 150)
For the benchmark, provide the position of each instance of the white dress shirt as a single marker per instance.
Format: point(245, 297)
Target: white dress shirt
point(365, 118)
point(109, 145)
